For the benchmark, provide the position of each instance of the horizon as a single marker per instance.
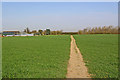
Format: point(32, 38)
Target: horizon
point(66, 16)
point(88, 28)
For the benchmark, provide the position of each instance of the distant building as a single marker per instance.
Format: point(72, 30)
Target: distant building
point(0, 34)
point(10, 32)
point(27, 35)
point(70, 33)
point(36, 34)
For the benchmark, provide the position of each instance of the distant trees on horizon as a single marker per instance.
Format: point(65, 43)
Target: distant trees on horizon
point(43, 32)
point(27, 30)
point(100, 30)
point(94, 30)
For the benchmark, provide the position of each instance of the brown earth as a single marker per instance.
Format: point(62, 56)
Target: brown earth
point(76, 66)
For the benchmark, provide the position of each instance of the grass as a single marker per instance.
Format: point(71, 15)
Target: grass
point(35, 57)
point(100, 53)
point(0, 58)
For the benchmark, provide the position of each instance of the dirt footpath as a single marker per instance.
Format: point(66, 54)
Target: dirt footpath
point(76, 66)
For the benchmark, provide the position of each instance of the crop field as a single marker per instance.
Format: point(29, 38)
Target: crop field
point(0, 58)
point(35, 57)
point(100, 53)
point(47, 56)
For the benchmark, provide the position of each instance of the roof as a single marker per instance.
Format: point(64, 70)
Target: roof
point(69, 32)
point(11, 31)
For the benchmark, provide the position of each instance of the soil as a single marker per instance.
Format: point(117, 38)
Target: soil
point(76, 66)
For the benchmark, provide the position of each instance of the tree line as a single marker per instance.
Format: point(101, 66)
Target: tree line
point(43, 32)
point(100, 30)
point(94, 30)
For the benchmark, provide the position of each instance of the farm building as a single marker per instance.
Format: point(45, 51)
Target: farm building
point(10, 33)
point(15, 33)
point(37, 34)
point(70, 33)
point(27, 35)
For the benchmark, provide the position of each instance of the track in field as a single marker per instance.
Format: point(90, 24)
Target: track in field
point(76, 66)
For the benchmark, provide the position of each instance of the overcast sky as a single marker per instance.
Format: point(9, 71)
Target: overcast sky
point(66, 16)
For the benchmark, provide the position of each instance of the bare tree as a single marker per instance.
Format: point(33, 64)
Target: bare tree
point(100, 30)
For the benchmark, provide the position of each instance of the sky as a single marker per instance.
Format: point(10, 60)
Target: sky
point(66, 16)
point(60, 0)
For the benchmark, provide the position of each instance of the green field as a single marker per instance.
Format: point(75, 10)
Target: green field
point(0, 58)
point(47, 56)
point(35, 57)
point(100, 53)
